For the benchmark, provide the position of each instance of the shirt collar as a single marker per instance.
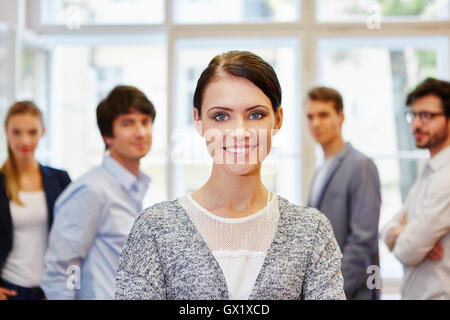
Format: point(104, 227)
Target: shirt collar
point(440, 159)
point(125, 178)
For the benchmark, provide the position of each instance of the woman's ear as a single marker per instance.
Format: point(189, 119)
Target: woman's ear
point(278, 119)
point(198, 122)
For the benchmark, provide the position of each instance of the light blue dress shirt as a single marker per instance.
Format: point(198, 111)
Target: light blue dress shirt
point(93, 217)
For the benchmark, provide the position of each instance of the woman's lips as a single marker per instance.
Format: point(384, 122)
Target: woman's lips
point(240, 150)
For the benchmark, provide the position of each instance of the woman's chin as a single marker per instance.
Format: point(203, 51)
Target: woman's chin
point(241, 169)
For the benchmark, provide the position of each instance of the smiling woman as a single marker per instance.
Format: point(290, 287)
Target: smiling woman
point(241, 97)
point(238, 136)
point(232, 238)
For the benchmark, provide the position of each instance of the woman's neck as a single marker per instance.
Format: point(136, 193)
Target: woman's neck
point(232, 196)
point(30, 178)
point(26, 166)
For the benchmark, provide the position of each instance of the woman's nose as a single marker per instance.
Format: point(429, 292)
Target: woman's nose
point(24, 139)
point(240, 129)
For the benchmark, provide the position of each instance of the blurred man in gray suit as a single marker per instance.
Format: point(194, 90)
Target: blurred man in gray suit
point(346, 188)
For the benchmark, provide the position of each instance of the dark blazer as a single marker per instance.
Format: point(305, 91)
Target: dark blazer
point(54, 182)
point(350, 198)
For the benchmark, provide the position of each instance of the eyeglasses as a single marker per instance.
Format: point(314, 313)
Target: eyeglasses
point(425, 117)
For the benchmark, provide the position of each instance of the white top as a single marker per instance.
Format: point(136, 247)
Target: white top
point(25, 263)
point(428, 208)
point(239, 245)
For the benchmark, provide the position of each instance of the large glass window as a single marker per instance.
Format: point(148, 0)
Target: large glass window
point(373, 71)
point(85, 74)
point(387, 10)
point(34, 77)
point(75, 13)
point(3, 86)
point(235, 11)
point(192, 161)
point(374, 77)
point(34, 86)
point(3, 70)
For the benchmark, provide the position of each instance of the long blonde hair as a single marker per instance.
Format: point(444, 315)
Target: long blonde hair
point(9, 168)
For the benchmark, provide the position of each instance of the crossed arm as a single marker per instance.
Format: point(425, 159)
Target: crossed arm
point(414, 241)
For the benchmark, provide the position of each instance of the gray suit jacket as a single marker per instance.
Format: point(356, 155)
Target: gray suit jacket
point(165, 257)
point(350, 198)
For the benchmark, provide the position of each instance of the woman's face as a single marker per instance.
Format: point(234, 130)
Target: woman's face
point(237, 121)
point(23, 132)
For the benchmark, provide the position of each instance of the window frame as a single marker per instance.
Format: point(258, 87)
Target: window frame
point(307, 30)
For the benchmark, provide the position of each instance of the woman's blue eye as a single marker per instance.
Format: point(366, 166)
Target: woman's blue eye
point(220, 117)
point(256, 116)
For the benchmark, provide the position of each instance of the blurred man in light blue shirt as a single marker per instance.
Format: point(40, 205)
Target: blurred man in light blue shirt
point(94, 215)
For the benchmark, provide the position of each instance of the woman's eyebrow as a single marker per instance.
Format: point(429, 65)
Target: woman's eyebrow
point(257, 106)
point(220, 108)
point(229, 109)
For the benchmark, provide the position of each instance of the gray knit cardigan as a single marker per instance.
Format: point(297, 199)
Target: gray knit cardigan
point(165, 257)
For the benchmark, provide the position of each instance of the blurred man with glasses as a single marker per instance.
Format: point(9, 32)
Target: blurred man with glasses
point(419, 234)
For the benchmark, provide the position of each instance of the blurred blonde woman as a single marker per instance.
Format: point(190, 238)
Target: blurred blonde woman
point(28, 191)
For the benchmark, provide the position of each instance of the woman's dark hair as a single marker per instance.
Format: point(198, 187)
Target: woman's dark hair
point(121, 100)
point(435, 87)
point(241, 64)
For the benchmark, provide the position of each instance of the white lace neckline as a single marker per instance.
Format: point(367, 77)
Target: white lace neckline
point(270, 201)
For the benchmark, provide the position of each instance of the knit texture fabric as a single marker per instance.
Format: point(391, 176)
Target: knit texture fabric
point(239, 244)
point(165, 257)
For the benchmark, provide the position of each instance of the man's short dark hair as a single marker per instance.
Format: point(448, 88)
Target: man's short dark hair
point(121, 100)
point(325, 94)
point(432, 86)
